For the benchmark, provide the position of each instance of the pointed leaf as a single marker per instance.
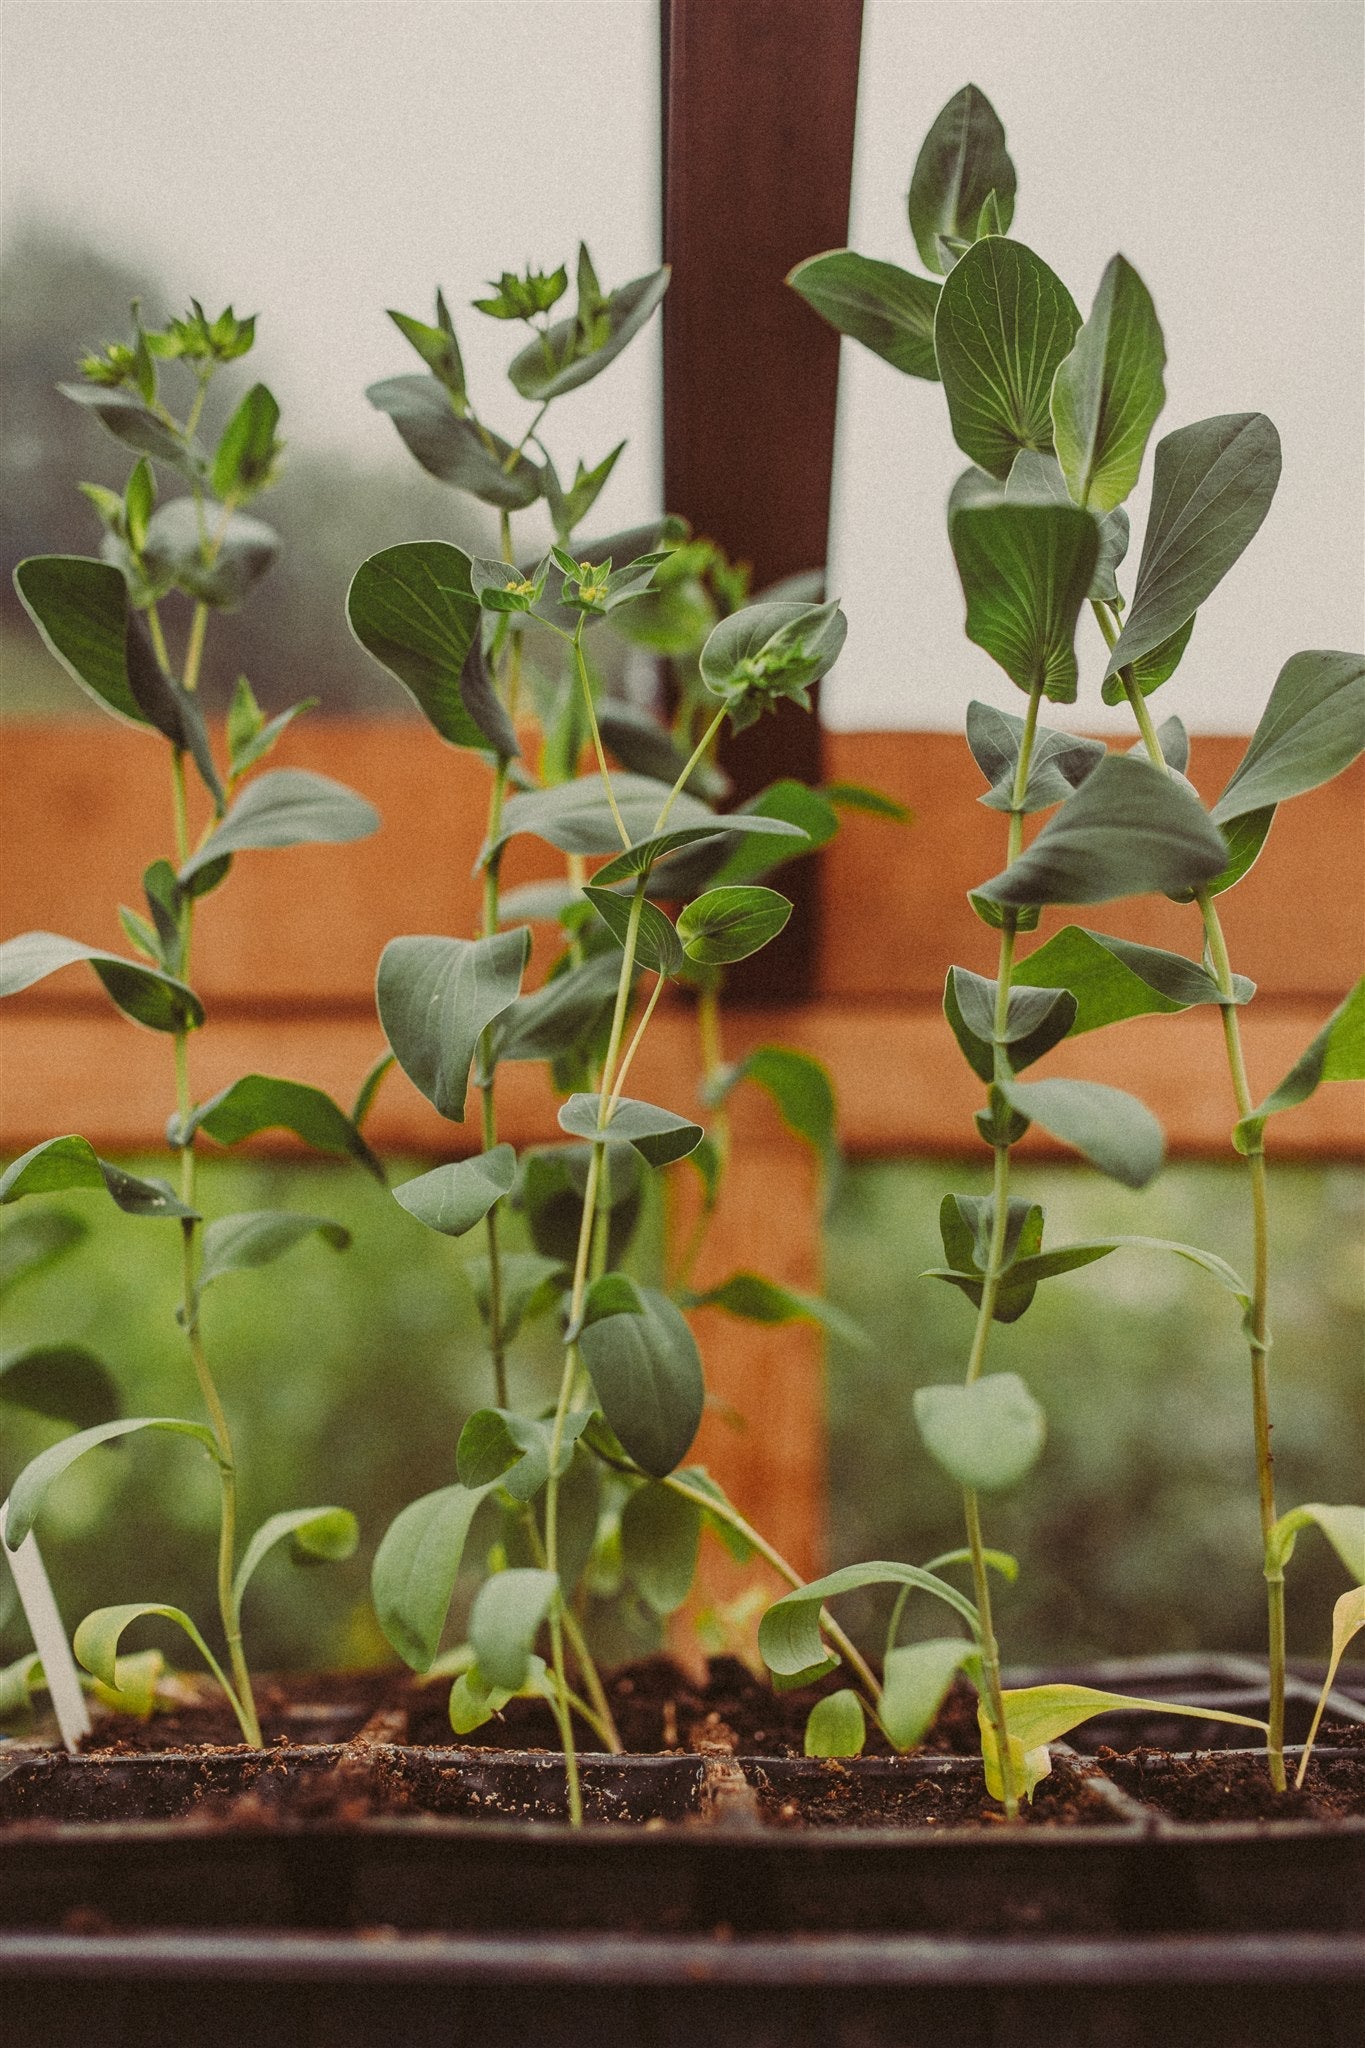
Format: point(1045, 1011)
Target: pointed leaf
point(1129, 829)
point(1025, 573)
point(1336, 1054)
point(286, 807)
point(647, 1373)
point(576, 817)
point(133, 423)
point(1004, 324)
point(789, 1638)
point(143, 993)
point(246, 549)
point(436, 996)
point(498, 1445)
point(247, 451)
point(731, 923)
point(1115, 1131)
point(97, 1639)
point(453, 1198)
point(1059, 763)
point(657, 945)
point(30, 1489)
point(264, 1102)
point(757, 1300)
point(507, 1613)
point(72, 1162)
point(257, 1237)
point(64, 1382)
point(800, 1088)
point(1108, 392)
point(886, 308)
point(454, 447)
point(1112, 979)
point(962, 164)
point(1312, 728)
point(316, 1535)
point(660, 1539)
point(1348, 1618)
point(416, 1566)
point(646, 747)
point(641, 859)
point(565, 1013)
point(657, 1134)
point(562, 359)
point(1211, 488)
point(1344, 1528)
point(1034, 1025)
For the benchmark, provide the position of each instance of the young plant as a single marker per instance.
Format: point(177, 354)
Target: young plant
point(111, 622)
point(1055, 415)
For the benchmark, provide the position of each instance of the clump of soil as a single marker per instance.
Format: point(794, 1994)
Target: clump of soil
point(1216, 1785)
point(837, 1797)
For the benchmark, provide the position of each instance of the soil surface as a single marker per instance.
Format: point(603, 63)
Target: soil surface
point(1217, 1786)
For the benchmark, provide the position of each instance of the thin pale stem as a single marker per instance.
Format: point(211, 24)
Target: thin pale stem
point(598, 748)
point(634, 1045)
point(194, 646)
point(601, 1719)
point(697, 752)
point(497, 1343)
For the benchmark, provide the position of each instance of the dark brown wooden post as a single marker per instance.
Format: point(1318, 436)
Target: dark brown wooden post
point(759, 102)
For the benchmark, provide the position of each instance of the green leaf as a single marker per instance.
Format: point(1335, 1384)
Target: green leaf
point(770, 650)
point(646, 747)
point(643, 857)
point(1344, 1528)
point(35, 1241)
point(755, 1299)
point(263, 1102)
point(576, 817)
point(257, 1237)
point(553, 1185)
point(507, 1613)
point(416, 1566)
point(286, 807)
point(1024, 1274)
point(660, 1539)
point(246, 454)
point(1059, 763)
point(565, 1013)
point(1312, 728)
point(64, 1382)
point(1348, 1618)
point(30, 1489)
point(413, 608)
point(647, 1372)
point(1336, 1054)
point(1036, 1715)
point(1034, 1024)
point(18, 1682)
point(800, 1089)
point(1211, 488)
point(499, 1446)
point(731, 923)
point(747, 859)
point(873, 803)
point(1150, 671)
point(962, 165)
point(1025, 573)
point(1129, 829)
point(657, 945)
point(658, 1135)
point(436, 997)
point(568, 507)
point(83, 615)
point(317, 1536)
point(246, 549)
point(789, 1638)
point(1004, 324)
point(96, 1639)
point(143, 993)
point(438, 349)
point(835, 1725)
point(1115, 1131)
point(1112, 979)
point(572, 351)
point(886, 308)
point(1108, 392)
point(916, 1680)
point(987, 1434)
point(453, 1198)
point(529, 1285)
point(71, 1162)
point(454, 447)
point(133, 423)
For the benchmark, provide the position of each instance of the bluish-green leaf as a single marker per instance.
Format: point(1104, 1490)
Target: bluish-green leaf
point(436, 996)
point(1336, 1054)
point(889, 310)
point(264, 1102)
point(412, 607)
point(72, 1162)
point(454, 447)
point(246, 549)
point(646, 747)
point(660, 1539)
point(657, 944)
point(1114, 1130)
point(416, 1566)
point(804, 811)
point(454, 1197)
point(574, 350)
point(1112, 979)
point(1004, 324)
point(641, 859)
point(647, 1372)
point(1059, 763)
point(143, 993)
point(1312, 728)
point(1035, 1023)
point(1025, 572)
point(1107, 393)
point(566, 1012)
point(771, 650)
point(1211, 488)
point(657, 1134)
point(962, 165)
point(507, 1613)
point(987, 1434)
point(576, 817)
point(499, 1445)
point(257, 1237)
point(30, 1489)
point(286, 807)
point(1129, 829)
point(64, 1382)
point(137, 426)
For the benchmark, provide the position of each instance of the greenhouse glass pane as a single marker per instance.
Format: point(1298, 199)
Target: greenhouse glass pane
point(1219, 146)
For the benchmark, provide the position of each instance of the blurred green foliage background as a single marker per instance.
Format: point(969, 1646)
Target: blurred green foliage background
point(347, 1376)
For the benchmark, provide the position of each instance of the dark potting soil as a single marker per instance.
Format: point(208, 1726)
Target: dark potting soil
point(1217, 1785)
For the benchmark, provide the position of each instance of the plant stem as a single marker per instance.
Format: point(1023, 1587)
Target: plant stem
point(486, 1084)
point(702, 744)
point(194, 646)
point(598, 748)
point(1258, 1330)
point(602, 1720)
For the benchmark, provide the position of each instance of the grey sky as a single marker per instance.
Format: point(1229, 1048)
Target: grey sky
point(319, 160)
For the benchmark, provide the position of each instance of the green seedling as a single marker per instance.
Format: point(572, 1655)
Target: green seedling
point(164, 569)
point(1054, 412)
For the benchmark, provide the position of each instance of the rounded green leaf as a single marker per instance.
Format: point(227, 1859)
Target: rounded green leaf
point(657, 1134)
point(566, 1012)
point(729, 924)
point(257, 1237)
point(657, 945)
point(986, 1435)
point(1034, 1022)
point(1005, 323)
point(1114, 1130)
point(264, 1102)
point(1344, 1528)
point(888, 309)
point(835, 1726)
point(1059, 763)
point(286, 807)
point(416, 1566)
point(576, 817)
point(317, 1536)
point(1107, 393)
point(660, 1539)
point(771, 650)
point(246, 549)
point(454, 447)
point(915, 1682)
point(72, 1162)
point(647, 1372)
point(64, 1382)
point(30, 1488)
point(789, 1638)
point(413, 608)
point(962, 164)
point(454, 1197)
point(503, 1622)
point(1026, 570)
point(437, 996)
point(96, 1639)
point(143, 993)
